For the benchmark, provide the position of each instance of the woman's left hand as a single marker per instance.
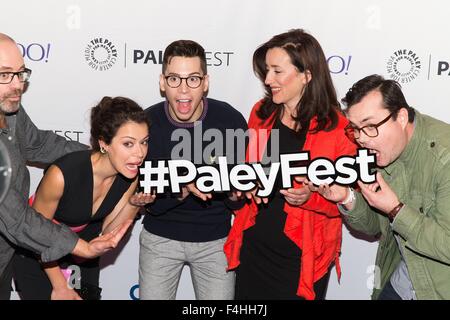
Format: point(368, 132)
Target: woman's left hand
point(141, 199)
point(297, 196)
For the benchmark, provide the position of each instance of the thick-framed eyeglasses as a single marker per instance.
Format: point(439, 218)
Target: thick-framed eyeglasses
point(7, 77)
point(370, 130)
point(192, 82)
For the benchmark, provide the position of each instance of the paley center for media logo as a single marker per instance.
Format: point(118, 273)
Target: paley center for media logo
point(403, 66)
point(101, 54)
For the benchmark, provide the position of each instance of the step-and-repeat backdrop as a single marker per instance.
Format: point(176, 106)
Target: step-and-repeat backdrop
point(82, 50)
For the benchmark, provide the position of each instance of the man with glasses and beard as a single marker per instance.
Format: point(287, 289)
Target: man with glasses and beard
point(409, 204)
point(20, 224)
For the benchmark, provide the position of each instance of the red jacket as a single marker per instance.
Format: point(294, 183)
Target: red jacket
point(316, 226)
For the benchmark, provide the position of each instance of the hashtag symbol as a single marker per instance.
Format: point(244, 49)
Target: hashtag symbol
point(149, 172)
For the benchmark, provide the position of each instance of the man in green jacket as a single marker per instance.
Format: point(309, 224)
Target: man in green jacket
point(409, 204)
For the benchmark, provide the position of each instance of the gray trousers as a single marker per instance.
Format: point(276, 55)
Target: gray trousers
point(161, 262)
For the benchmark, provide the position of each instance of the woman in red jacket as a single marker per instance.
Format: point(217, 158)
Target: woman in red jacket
point(284, 246)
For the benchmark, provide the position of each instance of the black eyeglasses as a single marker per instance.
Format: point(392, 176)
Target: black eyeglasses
point(370, 130)
point(192, 82)
point(7, 77)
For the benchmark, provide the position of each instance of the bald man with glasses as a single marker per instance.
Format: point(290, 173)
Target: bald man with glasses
point(20, 225)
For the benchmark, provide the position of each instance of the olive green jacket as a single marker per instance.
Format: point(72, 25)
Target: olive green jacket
point(421, 179)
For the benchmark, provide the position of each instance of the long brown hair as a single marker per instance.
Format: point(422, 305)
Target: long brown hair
point(319, 97)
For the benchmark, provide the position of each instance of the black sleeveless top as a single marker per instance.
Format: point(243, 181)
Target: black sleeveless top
point(74, 209)
point(75, 206)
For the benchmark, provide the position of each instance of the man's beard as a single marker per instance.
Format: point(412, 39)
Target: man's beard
point(9, 106)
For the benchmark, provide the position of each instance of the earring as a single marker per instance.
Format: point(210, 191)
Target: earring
point(102, 150)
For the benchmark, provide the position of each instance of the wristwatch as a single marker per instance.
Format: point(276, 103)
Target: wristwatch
point(391, 214)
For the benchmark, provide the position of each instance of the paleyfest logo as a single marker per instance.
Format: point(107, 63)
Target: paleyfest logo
point(212, 171)
point(213, 58)
point(100, 54)
point(403, 66)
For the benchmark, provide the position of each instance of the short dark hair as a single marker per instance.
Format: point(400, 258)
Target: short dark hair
point(319, 97)
point(391, 91)
point(109, 115)
point(184, 48)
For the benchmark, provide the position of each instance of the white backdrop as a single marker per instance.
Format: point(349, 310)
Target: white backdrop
point(407, 40)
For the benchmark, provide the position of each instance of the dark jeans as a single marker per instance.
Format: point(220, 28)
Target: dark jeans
point(389, 293)
point(5, 282)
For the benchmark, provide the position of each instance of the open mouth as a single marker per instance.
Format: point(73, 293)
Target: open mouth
point(184, 105)
point(373, 151)
point(275, 90)
point(134, 167)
